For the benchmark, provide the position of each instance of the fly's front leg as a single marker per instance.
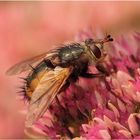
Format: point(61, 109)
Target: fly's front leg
point(102, 69)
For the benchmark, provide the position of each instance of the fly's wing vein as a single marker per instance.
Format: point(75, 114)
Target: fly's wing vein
point(25, 65)
point(42, 97)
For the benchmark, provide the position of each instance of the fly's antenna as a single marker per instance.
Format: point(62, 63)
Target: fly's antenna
point(108, 38)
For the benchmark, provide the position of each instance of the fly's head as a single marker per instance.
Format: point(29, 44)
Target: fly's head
point(95, 48)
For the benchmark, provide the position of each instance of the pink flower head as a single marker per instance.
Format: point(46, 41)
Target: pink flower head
point(101, 108)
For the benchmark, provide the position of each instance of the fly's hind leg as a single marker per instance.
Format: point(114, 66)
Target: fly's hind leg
point(64, 111)
point(67, 84)
point(92, 75)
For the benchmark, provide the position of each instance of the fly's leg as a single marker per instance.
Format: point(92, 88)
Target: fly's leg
point(65, 86)
point(91, 75)
point(102, 69)
point(59, 104)
point(61, 90)
point(85, 74)
point(64, 120)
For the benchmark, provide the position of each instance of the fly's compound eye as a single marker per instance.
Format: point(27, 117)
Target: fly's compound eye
point(96, 51)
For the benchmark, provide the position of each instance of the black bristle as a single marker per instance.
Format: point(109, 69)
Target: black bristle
point(110, 39)
point(22, 87)
point(108, 36)
point(24, 95)
point(32, 68)
point(21, 91)
point(27, 85)
point(25, 79)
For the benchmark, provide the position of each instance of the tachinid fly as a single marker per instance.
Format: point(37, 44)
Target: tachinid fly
point(52, 72)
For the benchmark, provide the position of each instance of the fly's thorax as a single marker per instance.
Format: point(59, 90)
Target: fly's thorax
point(70, 53)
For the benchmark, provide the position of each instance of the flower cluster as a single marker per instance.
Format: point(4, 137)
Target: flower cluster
point(100, 108)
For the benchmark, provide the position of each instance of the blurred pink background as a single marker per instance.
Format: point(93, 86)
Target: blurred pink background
point(30, 28)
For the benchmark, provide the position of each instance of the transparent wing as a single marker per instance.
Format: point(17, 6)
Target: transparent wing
point(25, 65)
point(42, 97)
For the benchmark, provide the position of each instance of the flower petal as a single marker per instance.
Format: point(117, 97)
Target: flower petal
point(134, 124)
point(105, 135)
